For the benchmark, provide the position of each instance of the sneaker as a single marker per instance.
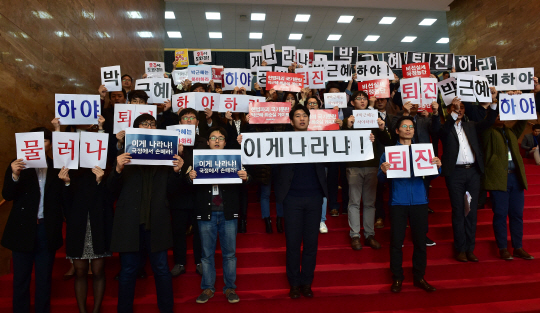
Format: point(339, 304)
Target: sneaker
point(231, 296)
point(429, 242)
point(206, 295)
point(198, 270)
point(334, 212)
point(379, 223)
point(178, 270)
point(323, 229)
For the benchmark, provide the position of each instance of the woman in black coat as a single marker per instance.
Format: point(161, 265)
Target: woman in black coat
point(88, 229)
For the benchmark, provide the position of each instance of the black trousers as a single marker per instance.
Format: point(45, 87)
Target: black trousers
point(243, 194)
point(335, 177)
point(302, 218)
point(181, 220)
point(464, 227)
point(418, 220)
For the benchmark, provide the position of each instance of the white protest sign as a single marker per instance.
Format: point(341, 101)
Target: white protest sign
point(255, 60)
point(207, 100)
point(179, 76)
point(65, 148)
point(200, 74)
point(236, 77)
point(306, 147)
point(338, 70)
point(303, 56)
point(204, 56)
point(320, 57)
point(316, 78)
point(110, 78)
point(365, 119)
point(465, 88)
point(281, 69)
point(517, 107)
point(154, 69)
point(410, 90)
point(125, 114)
point(448, 89)
point(186, 133)
point(269, 54)
point(399, 159)
point(234, 103)
point(371, 70)
point(182, 101)
point(428, 93)
point(77, 109)
point(288, 55)
point(338, 99)
point(422, 153)
point(261, 75)
point(31, 148)
point(481, 89)
point(93, 149)
point(158, 89)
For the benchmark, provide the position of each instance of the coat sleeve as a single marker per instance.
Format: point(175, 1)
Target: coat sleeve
point(526, 143)
point(9, 191)
point(488, 121)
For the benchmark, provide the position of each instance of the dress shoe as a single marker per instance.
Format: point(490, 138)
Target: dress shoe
point(422, 284)
point(429, 242)
point(178, 270)
point(268, 223)
point(371, 242)
point(355, 243)
point(520, 253)
point(306, 291)
point(334, 212)
point(471, 257)
point(294, 293)
point(396, 286)
point(461, 257)
point(379, 223)
point(242, 226)
point(505, 255)
point(279, 224)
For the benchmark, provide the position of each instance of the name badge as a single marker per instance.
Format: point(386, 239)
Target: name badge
point(215, 190)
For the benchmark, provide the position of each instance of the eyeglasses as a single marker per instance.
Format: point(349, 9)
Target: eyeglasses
point(188, 118)
point(407, 126)
point(214, 138)
point(126, 80)
point(313, 103)
point(360, 98)
point(147, 124)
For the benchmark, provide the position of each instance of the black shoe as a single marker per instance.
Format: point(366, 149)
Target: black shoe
point(396, 286)
point(429, 210)
point(242, 226)
point(422, 284)
point(306, 291)
point(279, 224)
point(294, 293)
point(268, 223)
point(429, 242)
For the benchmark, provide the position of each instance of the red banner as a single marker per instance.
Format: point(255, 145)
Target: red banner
point(323, 120)
point(217, 74)
point(284, 81)
point(269, 112)
point(415, 70)
point(378, 88)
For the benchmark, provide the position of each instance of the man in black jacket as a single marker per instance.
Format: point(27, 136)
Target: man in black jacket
point(217, 212)
point(34, 227)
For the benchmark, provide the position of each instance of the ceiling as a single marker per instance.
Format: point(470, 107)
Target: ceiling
point(279, 23)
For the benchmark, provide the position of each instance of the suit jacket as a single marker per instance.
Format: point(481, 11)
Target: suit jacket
point(528, 143)
point(450, 141)
point(20, 232)
point(284, 176)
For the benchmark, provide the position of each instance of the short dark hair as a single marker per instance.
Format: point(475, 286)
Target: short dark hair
point(195, 86)
point(219, 129)
point(123, 92)
point(403, 118)
point(297, 107)
point(127, 76)
point(536, 126)
point(445, 72)
point(287, 93)
point(319, 103)
point(134, 94)
point(359, 92)
point(188, 111)
point(47, 133)
point(142, 118)
point(332, 85)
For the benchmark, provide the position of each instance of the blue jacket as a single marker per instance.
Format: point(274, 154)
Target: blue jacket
point(406, 191)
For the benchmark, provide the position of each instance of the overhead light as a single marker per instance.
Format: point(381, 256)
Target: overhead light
point(443, 40)
point(295, 36)
point(213, 16)
point(174, 34)
point(387, 20)
point(372, 38)
point(258, 16)
point(333, 37)
point(145, 34)
point(42, 14)
point(428, 21)
point(345, 19)
point(215, 34)
point(169, 15)
point(408, 39)
point(302, 17)
point(61, 34)
point(255, 35)
point(134, 14)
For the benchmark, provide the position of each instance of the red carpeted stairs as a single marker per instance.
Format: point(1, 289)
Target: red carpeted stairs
point(347, 280)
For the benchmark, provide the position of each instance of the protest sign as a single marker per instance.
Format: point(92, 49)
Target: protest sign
point(217, 73)
point(77, 109)
point(65, 148)
point(216, 166)
point(371, 70)
point(261, 75)
point(93, 150)
point(418, 57)
point(207, 100)
point(154, 69)
point(288, 55)
point(255, 60)
point(441, 61)
point(151, 146)
point(338, 70)
point(182, 101)
point(269, 54)
point(465, 87)
point(281, 69)
point(486, 64)
point(332, 100)
point(234, 103)
point(410, 90)
point(448, 89)
point(365, 119)
point(186, 133)
point(158, 89)
point(125, 114)
point(236, 77)
point(349, 54)
point(395, 60)
point(510, 79)
point(368, 57)
point(181, 55)
point(416, 70)
point(179, 76)
point(269, 112)
point(306, 147)
point(428, 94)
point(464, 63)
point(200, 74)
point(204, 56)
point(517, 107)
point(323, 120)
point(304, 56)
point(320, 57)
point(378, 88)
point(31, 148)
point(399, 159)
point(313, 77)
point(284, 81)
point(110, 78)
point(422, 154)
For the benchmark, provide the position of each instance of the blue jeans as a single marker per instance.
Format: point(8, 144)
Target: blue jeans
point(509, 204)
point(323, 217)
point(131, 262)
point(209, 231)
point(265, 202)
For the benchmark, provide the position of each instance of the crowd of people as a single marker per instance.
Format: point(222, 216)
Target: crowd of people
point(141, 211)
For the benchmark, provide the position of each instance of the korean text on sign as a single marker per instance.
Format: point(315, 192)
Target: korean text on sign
point(125, 114)
point(65, 147)
point(186, 133)
point(93, 150)
point(151, 146)
point(204, 56)
point(77, 109)
point(110, 78)
point(284, 81)
point(217, 166)
point(269, 113)
point(323, 120)
point(31, 148)
point(365, 118)
point(416, 70)
point(517, 107)
point(379, 88)
point(154, 69)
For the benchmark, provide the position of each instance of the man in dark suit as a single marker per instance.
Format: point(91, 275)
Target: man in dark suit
point(34, 227)
point(463, 165)
point(301, 188)
point(530, 141)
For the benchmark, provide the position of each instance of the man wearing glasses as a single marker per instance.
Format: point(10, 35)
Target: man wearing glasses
point(127, 83)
